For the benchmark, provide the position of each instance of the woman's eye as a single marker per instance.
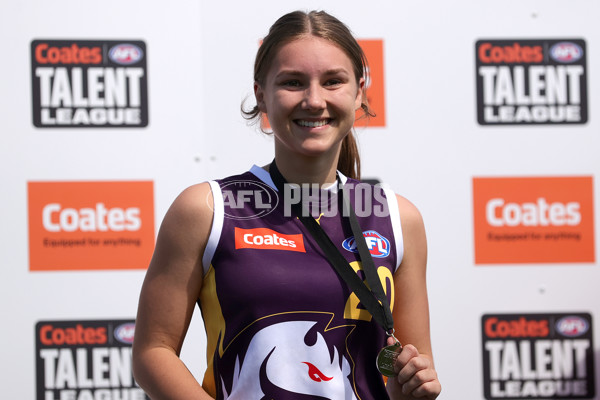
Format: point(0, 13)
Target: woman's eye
point(292, 83)
point(333, 82)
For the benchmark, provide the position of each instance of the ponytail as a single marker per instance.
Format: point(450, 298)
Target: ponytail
point(349, 161)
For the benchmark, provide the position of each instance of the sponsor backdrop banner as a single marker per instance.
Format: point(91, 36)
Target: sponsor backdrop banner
point(90, 225)
point(531, 81)
point(533, 220)
point(85, 360)
point(89, 83)
point(538, 356)
point(374, 81)
point(485, 119)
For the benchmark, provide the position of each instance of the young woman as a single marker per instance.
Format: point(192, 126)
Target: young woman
point(281, 323)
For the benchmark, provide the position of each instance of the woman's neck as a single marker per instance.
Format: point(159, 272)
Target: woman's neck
point(307, 169)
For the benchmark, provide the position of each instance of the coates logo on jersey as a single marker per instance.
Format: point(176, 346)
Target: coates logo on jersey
point(90, 225)
point(374, 86)
point(538, 356)
point(267, 239)
point(89, 83)
point(79, 360)
point(533, 220)
point(378, 245)
point(530, 82)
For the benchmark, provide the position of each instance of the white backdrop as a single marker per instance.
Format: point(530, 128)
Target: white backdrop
point(199, 67)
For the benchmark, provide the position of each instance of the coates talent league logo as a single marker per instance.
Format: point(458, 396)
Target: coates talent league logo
point(528, 82)
point(538, 356)
point(89, 83)
point(79, 360)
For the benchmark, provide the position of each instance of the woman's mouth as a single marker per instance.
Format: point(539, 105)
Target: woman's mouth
point(312, 124)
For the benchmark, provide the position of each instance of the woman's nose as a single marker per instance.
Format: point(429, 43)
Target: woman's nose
point(314, 98)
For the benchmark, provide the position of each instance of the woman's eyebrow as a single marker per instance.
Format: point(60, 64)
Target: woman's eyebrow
point(293, 72)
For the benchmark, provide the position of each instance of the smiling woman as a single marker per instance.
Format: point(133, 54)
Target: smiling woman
point(310, 95)
point(351, 63)
point(293, 303)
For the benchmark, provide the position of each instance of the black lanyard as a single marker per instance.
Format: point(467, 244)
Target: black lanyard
point(373, 299)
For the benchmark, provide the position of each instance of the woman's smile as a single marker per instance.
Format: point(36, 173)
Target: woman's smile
point(312, 124)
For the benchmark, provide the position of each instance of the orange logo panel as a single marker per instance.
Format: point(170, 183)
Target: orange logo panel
point(533, 220)
point(374, 83)
point(90, 225)
point(267, 239)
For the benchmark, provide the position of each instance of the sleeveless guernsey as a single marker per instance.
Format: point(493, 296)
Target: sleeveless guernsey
point(280, 323)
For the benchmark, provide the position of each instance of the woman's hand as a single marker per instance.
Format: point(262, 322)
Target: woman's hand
point(416, 377)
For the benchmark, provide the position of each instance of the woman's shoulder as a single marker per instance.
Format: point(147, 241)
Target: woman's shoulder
point(406, 206)
point(194, 198)
point(192, 209)
point(196, 202)
point(410, 216)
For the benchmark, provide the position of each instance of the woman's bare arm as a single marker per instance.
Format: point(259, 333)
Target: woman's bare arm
point(168, 297)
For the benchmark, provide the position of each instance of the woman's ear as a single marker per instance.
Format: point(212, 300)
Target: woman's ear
point(260, 97)
point(360, 93)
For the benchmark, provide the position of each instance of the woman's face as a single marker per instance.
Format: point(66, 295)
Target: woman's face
point(310, 95)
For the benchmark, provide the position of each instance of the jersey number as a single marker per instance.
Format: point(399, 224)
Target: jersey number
point(354, 309)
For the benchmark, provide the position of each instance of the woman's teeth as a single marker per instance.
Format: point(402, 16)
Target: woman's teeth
point(313, 124)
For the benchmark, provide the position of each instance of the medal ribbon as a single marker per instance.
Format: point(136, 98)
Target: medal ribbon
point(372, 297)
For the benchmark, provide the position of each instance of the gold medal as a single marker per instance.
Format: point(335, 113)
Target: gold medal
point(386, 359)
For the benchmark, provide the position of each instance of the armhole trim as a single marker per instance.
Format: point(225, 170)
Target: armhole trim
point(216, 228)
point(396, 223)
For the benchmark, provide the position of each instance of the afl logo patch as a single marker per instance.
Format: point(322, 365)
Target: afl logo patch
point(378, 245)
